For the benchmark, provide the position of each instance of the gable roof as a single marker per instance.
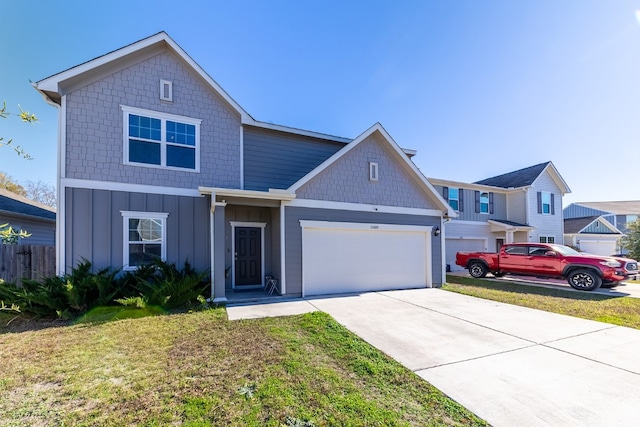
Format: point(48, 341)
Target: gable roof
point(578, 225)
point(629, 207)
point(526, 177)
point(53, 87)
point(400, 155)
point(15, 204)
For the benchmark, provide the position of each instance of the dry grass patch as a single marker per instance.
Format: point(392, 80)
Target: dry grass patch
point(189, 369)
point(622, 311)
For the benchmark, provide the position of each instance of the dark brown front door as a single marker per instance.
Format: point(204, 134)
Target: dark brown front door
point(248, 256)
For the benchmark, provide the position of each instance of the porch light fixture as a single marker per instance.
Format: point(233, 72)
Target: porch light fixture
point(436, 231)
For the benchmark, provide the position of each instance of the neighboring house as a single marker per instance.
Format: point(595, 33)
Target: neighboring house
point(158, 161)
point(593, 234)
point(619, 214)
point(520, 206)
point(24, 214)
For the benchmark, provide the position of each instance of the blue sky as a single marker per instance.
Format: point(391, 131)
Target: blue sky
point(478, 88)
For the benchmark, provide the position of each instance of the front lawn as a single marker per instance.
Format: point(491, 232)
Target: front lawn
point(199, 369)
point(622, 311)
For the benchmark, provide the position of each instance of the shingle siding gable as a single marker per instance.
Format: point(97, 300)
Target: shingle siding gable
point(94, 148)
point(347, 180)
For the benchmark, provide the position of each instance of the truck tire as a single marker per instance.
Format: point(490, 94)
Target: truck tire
point(477, 269)
point(584, 279)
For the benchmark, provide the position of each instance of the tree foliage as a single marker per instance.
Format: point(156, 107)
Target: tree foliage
point(8, 183)
point(631, 241)
point(9, 236)
point(41, 192)
point(25, 116)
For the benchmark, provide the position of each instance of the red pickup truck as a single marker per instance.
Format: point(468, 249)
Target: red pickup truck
point(583, 271)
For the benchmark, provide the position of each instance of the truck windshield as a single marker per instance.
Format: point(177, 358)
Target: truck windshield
point(564, 250)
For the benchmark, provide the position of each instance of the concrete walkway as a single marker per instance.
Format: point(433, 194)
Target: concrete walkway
point(508, 364)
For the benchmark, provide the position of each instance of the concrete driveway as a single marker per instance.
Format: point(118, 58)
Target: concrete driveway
point(509, 365)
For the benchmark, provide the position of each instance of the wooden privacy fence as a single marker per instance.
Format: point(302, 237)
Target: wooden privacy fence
point(19, 262)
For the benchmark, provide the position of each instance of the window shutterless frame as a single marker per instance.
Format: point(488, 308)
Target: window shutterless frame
point(164, 139)
point(151, 230)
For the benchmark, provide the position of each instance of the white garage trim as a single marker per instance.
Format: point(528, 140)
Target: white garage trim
point(386, 241)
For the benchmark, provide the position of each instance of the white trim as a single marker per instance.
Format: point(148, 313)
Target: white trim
point(443, 251)
point(235, 224)
point(322, 204)
point(429, 189)
point(283, 263)
point(61, 239)
point(163, 117)
point(169, 86)
point(242, 157)
point(336, 225)
point(126, 187)
point(126, 215)
point(248, 194)
point(471, 186)
point(212, 245)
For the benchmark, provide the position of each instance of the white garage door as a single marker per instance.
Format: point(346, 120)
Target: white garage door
point(598, 247)
point(461, 245)
point(354, 257)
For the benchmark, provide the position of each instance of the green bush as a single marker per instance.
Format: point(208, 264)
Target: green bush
point(159, 284)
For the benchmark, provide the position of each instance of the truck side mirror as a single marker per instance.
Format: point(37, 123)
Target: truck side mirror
point(550, 253)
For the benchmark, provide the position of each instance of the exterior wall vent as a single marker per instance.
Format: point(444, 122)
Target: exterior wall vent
point(373, 171)
point(166, 90)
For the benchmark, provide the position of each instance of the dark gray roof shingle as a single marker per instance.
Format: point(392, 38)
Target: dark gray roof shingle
point(515, 179)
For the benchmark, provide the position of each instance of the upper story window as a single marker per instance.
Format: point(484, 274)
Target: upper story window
point(546, 203)
point(156, 139)
point(484, 202)
point(454, 198)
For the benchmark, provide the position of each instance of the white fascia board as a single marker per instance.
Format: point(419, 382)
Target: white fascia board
point(395, 147)
point(129, 188)
point(272, 194)
point(556, 177)
point(336, 225)
point(471, 186)
point(360, 207)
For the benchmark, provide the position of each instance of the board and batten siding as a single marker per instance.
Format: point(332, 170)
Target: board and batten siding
point(274, 159)
point(469, 213)
point(578, 211)
point(94, 126)
point(546, 224)
point(293, 242)
point(94, 226)
point(597, 227)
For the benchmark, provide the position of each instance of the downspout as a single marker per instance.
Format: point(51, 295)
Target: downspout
point(283, 264)
point(212, 245)
point(443, 252)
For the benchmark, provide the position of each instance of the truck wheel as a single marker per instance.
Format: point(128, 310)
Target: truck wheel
point(477, 270)
point(584, 280)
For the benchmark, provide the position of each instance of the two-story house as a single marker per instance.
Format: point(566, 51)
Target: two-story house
point(157, 161)
point(519, 206)
point(597, 227)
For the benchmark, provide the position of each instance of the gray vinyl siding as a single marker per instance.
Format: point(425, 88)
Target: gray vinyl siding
point(598, 228)
point(293, 243)
point(469, 208)
point(275, 159)
point(95, 136)
point(94, 226)
point(43, 232)
point(347, 179)
point(577, 211)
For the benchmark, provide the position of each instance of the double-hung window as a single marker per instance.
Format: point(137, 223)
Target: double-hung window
point(546, 203)
point(144, 238)
point(454, 198)
point(484, 202)
point(156, 139)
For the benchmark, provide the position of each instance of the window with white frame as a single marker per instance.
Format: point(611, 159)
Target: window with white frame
point(144, 238)
point(547, 239)
point(484, 202)
point(373, 171)
point(546, 203)
point(161, 140)
point(454, 198)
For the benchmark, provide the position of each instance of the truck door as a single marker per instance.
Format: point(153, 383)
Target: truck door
point(513, 259)
point(540, 262)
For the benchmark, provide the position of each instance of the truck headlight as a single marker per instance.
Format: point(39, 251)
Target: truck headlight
point(614, 264)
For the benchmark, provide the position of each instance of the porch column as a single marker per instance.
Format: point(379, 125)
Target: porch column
point(509, 237)
point(218, 251)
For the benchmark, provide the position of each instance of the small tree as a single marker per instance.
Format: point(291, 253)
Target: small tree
point(25, 116)
point(631, 241)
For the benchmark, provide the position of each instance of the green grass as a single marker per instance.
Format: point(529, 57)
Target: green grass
point(199, 369)
point(622, 311)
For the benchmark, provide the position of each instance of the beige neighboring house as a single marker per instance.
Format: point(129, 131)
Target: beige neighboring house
point(25, 214)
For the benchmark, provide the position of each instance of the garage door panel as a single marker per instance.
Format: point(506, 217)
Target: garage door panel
point(461, 245)
point(343, 260)
point(600, 247)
